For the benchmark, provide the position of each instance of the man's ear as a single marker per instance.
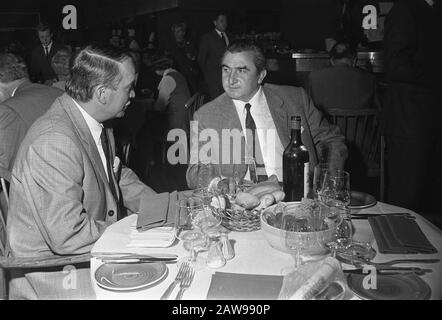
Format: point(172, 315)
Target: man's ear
point(262, 75)
point(101, 92)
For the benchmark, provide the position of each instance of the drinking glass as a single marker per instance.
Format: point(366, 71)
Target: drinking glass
point(236, 181)
point(188, 230)
point(251, 164)
point(205, 173)
point(335, 191)
point(318, 178)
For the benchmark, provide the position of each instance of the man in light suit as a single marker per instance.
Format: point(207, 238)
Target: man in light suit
point(212, 47)
point(271, 106)
point(67, 184)
point(41, 68)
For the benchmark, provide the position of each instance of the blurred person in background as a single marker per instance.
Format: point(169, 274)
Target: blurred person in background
point(41, 68)
point(61, 66)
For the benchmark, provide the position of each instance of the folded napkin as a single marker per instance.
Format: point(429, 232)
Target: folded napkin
point(235, 286)
point(159, 237)
point(158, 210)
point(395, 234)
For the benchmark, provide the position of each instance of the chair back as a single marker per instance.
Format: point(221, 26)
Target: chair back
point(194, 103)
point(362, 131)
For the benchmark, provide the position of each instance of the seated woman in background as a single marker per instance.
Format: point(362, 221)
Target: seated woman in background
point(60, 64)
point(173, 93)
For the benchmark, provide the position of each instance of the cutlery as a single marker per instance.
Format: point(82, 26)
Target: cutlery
point(185, 283)
point(180, 276)
point(370, 215)
point(392, 262)
point(129, 255)
point(391, 271)
point(139, 260)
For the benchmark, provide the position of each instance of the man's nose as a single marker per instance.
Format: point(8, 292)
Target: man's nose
point(233, 77)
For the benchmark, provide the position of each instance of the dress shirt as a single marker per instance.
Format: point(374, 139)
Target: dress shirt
point(95, 127)
point(269, 141)
point(221, 34)
point(49, 46)
point(165, 89)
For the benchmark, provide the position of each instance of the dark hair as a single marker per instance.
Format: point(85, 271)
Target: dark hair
point(342, 50)
point(94, 66)
point(246, 45)
point(12, 67)
point(217, 14)
point(179, 25)
point(43, 26)
point(161, 61)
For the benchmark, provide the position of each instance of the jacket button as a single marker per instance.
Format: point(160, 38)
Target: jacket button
point(110, 213)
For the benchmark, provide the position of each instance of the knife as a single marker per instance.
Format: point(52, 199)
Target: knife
point(132, 261)
point(370, 215)
point(395, 270)
point(133, 255)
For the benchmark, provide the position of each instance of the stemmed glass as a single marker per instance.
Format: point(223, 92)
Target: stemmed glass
point(206, 172)
point(318, 178)
point(189, 232)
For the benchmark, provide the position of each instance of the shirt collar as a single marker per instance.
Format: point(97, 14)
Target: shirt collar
point(254, 101)
point(94, 126)
point(219, 32)
point(167, 71)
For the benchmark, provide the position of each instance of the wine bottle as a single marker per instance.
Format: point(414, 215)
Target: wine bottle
point(295, 165)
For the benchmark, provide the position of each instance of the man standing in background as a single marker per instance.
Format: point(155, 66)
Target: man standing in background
point(212, 47)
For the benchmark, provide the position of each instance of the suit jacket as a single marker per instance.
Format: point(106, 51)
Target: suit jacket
point(17, 114)
point(41, 68)
point(60, 195)
point(284, 102)
point(211, 50)
point(344, 87)
point(60, 199)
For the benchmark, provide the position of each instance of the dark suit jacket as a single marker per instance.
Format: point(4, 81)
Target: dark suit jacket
point(344, 87)
point(17, 114)
point(284, 102)
point(41, 69)
point(211, 50)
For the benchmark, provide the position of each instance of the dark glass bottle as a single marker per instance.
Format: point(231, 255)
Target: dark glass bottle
point(295, 164)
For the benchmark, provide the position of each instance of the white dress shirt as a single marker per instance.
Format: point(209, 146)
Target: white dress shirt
point(95, 127)
point(269, 141)
point(225, 36)
point(49, 46)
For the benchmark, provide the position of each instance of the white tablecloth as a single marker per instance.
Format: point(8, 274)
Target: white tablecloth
point(253, 256)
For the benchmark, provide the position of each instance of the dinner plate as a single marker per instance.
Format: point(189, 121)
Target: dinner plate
point(128, 277)
point(390, 287)
point(361, 200)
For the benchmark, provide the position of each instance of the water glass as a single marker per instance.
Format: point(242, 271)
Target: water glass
point(318, 178)
point(335, 191)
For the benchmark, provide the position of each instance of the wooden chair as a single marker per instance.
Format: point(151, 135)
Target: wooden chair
point(362, 131)
point(194, 103)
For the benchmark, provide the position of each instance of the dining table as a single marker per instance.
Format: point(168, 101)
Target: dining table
point(255, 256)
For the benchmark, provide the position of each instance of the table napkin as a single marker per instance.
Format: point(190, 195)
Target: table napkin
point(395, 234)
point(157, 211)
point(236, 286)
point(159, 237)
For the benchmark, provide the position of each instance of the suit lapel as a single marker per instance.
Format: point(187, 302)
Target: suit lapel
point(84, 133)
point(279, 115)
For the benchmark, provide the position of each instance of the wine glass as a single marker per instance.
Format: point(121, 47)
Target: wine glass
point(189, 232)
point(236, 181)
point(205, 173)
point(296, 229)
point(318, 178)
point(335, 191)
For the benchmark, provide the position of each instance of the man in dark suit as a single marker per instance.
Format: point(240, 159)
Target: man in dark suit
point(212, 47)
point(41, 69)
point(343, 85)
point(271, 107)
point(413, 104)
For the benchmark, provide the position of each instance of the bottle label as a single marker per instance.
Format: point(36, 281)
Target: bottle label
point(306, 179)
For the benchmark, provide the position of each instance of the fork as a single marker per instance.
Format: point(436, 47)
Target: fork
point(185, 267)
point(185, 284)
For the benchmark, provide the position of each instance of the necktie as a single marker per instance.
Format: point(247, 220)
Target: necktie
point(46, 51)
point(224, 38)
point(254, 148)
point(106, 149)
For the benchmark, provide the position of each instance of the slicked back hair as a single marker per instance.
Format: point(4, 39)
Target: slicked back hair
point(248, 46)
point(12, 67)
point(94, 66)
